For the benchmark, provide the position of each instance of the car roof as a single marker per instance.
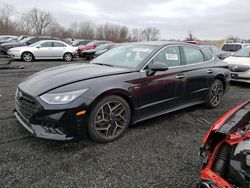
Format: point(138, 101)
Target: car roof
point(161, 43)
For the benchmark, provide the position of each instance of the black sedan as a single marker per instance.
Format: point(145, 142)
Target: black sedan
point(128, 84)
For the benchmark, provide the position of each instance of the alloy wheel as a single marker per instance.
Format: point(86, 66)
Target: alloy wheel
point(68, 57)
point(216, 94)
point(111, 119)
point(27, 57)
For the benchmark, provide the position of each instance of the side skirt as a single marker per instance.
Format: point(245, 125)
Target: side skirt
point(167, 111)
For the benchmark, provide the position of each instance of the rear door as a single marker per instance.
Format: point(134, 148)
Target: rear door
point(198, 73)
point(161, 90)
point(43, 51)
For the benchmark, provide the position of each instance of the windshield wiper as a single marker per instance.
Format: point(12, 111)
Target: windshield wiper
point(103, 64)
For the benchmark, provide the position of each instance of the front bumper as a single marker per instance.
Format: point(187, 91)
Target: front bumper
point(241, 76)
point(51, 121)
point(14, 55)
point(39, 131)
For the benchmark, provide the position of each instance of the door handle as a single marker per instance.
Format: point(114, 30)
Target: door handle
point(180, 76)
point(210, 71)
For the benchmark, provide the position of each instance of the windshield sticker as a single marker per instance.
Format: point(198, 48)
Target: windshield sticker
point(173, 57)
point(141, 50)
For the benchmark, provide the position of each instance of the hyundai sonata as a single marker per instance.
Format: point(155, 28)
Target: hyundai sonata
point(128, 84)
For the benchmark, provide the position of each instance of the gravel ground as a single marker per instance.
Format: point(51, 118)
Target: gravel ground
point(161, 152)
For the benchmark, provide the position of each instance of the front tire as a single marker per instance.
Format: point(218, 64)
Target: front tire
point(109, 119)
point(215, 94)
point(27, 57)
point(68, 57)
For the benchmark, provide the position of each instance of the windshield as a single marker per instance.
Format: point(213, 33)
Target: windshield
point(245, 52)
point(102, 47)
point(129, 56)
point(231, 47)
point(35, 44)
point(25, 40)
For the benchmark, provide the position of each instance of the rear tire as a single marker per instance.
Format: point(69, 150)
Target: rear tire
point(68, 57)
point(109, 119)
point(27, 57)
point(215, 94)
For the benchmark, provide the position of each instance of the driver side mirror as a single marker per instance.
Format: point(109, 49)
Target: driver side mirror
point(38, 46)
point(155, 67)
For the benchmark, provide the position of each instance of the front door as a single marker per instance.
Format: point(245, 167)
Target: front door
point(161, 90)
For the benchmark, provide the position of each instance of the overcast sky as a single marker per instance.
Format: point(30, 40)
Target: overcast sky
point(207, 19)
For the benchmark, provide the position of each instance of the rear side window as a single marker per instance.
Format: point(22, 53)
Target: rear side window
point(59, 44)
point(192, 55)
point(170, 56)
point(231, 47)
point(207, 56)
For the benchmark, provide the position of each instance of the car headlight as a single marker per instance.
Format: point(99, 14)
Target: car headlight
point(62, 98)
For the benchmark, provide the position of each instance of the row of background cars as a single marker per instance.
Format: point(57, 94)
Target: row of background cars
point(237, 55)
point(29, 48)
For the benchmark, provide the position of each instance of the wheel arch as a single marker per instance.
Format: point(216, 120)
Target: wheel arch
point(27, 52)
point(119, 92)
point(221, 77)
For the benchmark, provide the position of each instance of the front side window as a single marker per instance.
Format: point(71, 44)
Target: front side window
point(192, 55)
point(46, 44)
point(170, 56)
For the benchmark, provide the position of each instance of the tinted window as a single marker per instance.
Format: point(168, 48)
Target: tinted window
point(207, 56)
point(46, 44)
point(129, 55)
point(231, 47)
point(245, 52)
point(59, 44)
point(169, 55)
point(192, 55)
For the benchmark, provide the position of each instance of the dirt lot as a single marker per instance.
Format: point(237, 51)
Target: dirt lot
point(161, 152)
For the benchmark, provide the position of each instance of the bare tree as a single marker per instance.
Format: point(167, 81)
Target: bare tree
point(99, 32)
point(86, 30)
point(37, 21)
point(136, 35)
point(6, 12)
point(190, 36)
point(151, 34)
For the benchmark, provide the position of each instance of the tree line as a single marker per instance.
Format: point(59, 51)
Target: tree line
point(40, 22)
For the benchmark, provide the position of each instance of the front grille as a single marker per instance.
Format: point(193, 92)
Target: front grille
point(239, 68)
point(26, 105)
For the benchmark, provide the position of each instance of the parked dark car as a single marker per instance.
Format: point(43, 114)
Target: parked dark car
point(91, 54)
point(25, 42)
point(12, 40)
point(128, 84)
point(216, 51)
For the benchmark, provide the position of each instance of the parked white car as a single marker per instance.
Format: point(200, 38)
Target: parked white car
point(233, 47)
point(46, 49)
point(239, 64)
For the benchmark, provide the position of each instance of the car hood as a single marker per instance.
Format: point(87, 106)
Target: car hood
point(238, 60)
point(52, 78)
point(22, 48)
point(12, 44)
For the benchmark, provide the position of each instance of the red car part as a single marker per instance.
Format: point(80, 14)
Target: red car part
point(215, 143)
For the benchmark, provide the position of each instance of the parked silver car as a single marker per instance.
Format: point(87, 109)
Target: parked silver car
point(46, 49)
